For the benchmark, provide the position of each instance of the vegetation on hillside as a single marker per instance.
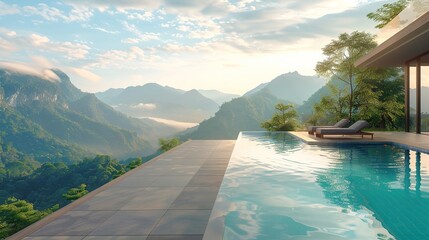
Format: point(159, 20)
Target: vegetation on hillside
point(51, 186)
point(284, 119)
point(167, 144)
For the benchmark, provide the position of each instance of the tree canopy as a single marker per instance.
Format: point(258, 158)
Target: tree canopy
point(284, 119)
point(387, 12)
point(341, 54)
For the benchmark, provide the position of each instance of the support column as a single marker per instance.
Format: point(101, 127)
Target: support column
point(418, 95)
point(407, 96)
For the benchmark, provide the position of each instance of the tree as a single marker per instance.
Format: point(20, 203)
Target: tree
point(341, 54)
point(387, 12)
point(76, 193)
point(283, 120)
point(167, 144)
point(16, 214)
point(331, 108)
point(134, 163)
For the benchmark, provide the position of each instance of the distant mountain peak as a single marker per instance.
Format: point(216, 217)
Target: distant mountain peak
point(291, 86)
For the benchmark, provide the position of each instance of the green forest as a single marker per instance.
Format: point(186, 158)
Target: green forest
point(28, 198)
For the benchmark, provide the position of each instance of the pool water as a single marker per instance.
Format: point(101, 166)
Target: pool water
point(277, 187)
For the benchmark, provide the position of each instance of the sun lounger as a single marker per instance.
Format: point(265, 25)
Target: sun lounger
point(355, 129)
point(340, 124)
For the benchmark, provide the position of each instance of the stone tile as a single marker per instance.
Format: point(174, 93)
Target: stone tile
point(211, 172)
point(55, 238)
point(129, 223)
point(74, 223)
point(111, 199)
point(205, 181)
point(176, 237)
point(172, 181)
point(137, 180)
point(182, 222)
point(153, 198)
point(196, 198)
point(115, 238)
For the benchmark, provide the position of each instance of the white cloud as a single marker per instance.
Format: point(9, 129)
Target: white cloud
point(77, 13)
point(86, 74)
point(146, 106)
point(140, 36)
point(6, 9)
point(101, 29)
point(145, 16)
point(28, 69)
point(38, 40)
point(38, 43)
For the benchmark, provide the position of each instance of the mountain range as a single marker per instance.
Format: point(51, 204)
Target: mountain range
point(46, 117)
point(155, 101)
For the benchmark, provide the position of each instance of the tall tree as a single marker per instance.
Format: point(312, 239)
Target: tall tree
point(387, 12)
point(341, 54)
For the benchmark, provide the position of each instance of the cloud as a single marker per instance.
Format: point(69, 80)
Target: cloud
point(140, 36)
point(86, 74)
point(6, 9)
point(133, 58)
point(123, 4)
point(46, 12)
point(101, 29)
point(146, 106)
point(28, 69)
point(39, 43)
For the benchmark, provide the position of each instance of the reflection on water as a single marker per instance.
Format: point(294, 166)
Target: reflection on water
point(276, 187)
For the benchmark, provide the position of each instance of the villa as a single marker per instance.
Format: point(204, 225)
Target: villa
point(277, 185)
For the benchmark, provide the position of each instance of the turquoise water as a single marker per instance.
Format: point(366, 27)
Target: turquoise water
point(277, 187)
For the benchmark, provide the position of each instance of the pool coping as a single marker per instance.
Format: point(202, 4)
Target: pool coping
point(350, 141)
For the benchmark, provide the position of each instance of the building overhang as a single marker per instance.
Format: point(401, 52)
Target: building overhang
point(408, 44)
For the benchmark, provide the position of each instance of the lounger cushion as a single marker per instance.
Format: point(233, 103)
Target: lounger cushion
point(355, 128)
point(340, 124)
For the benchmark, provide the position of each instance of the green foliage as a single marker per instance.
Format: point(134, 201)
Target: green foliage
point(134, 163)
point(16, 214)
point(167, 144)
point(46, 185)
point(341, 54)
point(387, 12)
point(76, 193)
point(283, 120)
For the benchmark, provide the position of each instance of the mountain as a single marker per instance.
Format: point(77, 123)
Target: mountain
point(109, 94)
point(424, 101)
point(306, 108)
point(156, 101)
point(291, 86)
point(240, 114)
point(62, 114)
point(217, 96)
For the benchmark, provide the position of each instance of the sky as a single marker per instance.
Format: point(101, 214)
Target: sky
point(228, 45)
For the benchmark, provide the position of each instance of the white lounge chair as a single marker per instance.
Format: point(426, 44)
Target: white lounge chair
point(355, 129)
point(340, 124)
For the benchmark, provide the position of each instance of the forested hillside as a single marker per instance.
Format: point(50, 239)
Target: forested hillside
point(240, 114)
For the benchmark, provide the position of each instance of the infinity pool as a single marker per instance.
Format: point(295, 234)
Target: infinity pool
point(277, 187)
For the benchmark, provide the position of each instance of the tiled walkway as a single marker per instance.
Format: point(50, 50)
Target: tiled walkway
point(168, 198)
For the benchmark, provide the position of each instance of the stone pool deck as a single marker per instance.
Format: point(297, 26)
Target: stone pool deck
point(170, 197)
